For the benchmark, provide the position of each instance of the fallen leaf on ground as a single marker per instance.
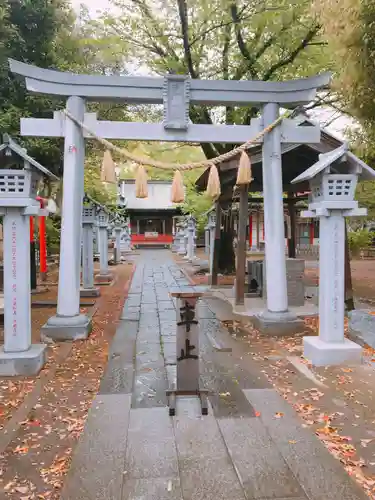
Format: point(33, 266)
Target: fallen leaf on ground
point(279, 414)
point(22, 489)
point(365, 442)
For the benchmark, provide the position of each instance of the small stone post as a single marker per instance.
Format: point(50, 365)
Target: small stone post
point(207, 239)
point(125, 239)
point(212, 228)
point(104, 275)
point(186, 240)
point(181, 240)
point(118, 231)
point(88, 221)
point(96, 239)
point(190, 240)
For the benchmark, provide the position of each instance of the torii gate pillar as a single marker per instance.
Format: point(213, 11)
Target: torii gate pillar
point(276, 319)
point(68, 323)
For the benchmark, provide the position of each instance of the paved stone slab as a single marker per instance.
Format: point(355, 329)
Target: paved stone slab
point(168, 339)
point(226, 396)
point(165, 304)
point(131, 313)
point(151, 450)
point(98, 462)
point(197, 435)
point(118, 377)
point(262, 470)
point(133, 300)
point(169, 351)
point(209, 478)
point(157, 488)
point(362, 327)
point(119, 372)
point(320, 475)
point(124, 341)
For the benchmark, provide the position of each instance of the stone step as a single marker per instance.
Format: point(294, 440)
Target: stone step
point(97, 467)
point(262, 470)
point(320, 475)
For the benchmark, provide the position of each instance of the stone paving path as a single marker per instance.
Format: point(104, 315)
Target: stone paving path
point(132, 450)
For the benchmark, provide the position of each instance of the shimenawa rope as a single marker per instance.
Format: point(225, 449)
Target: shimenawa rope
point(185, 166)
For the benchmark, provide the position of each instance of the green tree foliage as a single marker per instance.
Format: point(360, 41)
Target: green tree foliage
point(34, 32)
point(359, 240)
point(349, 29)
point(221, 39)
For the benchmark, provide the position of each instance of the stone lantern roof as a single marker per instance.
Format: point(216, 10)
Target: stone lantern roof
point(339, 159)
point(10, 145)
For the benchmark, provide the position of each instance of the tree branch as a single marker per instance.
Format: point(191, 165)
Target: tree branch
point(293, 55)
point(163, 53)
point(240, 41)
point(182, 10)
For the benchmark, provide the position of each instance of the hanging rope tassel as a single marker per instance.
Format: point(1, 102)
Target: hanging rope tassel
point(141, 190)
point(177, 190)
point(244, 170)
point(108, 173)
point(213, 183)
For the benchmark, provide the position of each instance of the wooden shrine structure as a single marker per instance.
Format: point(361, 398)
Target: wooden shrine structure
point(295, 159)
point(151, 218)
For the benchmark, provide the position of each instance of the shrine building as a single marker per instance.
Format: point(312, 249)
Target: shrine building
point(152, 219)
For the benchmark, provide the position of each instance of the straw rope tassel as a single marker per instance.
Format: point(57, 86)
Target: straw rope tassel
point(108, 173)
point(213, 183)
point(244, 170)
point(141, 190)
point(177, 190)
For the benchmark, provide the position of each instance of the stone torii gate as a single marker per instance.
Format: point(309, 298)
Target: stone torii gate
point(176, 93)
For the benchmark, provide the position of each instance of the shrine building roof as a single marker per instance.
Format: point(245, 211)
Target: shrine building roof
point(296, 159)
point(159, 195)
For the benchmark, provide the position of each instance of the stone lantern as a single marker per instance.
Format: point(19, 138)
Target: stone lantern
point(183, 238)
point(104, 275)
point(88, 222)
point(180, 239)
point(333, 181)
point(190, 239)
point(126, 239)
point(18, 191)
point(118, 226)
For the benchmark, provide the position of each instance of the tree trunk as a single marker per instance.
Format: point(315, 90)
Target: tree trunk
point(227, 260)
point(349, 298)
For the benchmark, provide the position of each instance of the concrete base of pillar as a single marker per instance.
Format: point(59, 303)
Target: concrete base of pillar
point(278, 324)
point(322, 353)
point(89, 292)
point(104, 278)
point(67, 328)
point(25, 363)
